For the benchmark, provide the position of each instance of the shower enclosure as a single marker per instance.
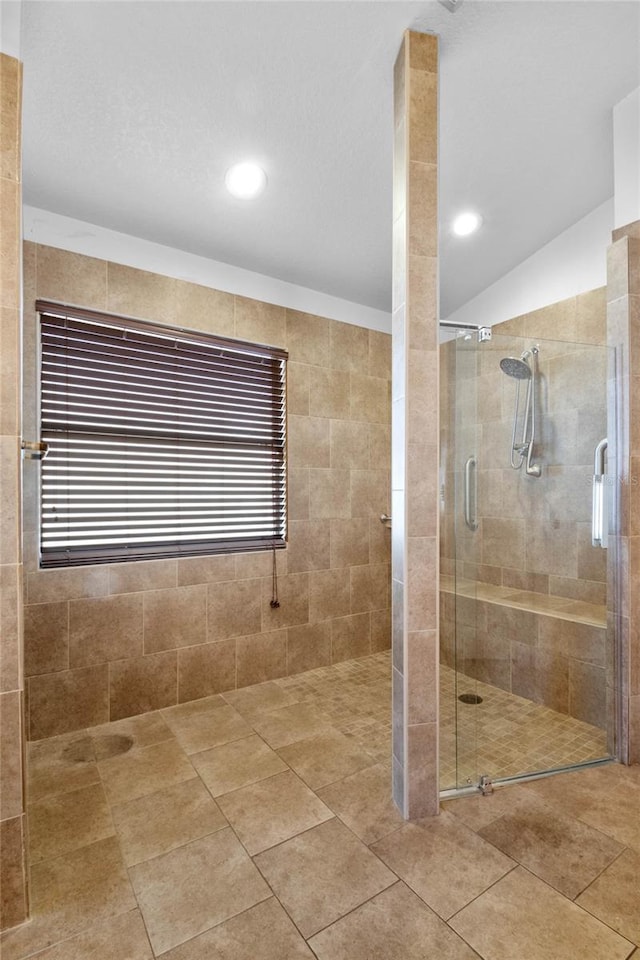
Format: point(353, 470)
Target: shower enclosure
point(527, 662)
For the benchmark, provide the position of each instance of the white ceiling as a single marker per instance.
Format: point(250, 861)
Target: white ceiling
point(134, 111)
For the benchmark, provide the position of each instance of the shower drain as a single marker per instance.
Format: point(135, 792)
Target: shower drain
point(469, 698)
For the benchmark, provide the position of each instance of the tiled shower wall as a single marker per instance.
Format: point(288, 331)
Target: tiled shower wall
point(13, 899)
point(554, 661)
point(108, 641)
point(533, 534)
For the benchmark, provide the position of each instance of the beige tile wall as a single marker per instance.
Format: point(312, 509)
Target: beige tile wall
point(112, 640)
point(415, 429)
point(558, 663)
point(623, 322)
point(533, 534)
point(13, 886)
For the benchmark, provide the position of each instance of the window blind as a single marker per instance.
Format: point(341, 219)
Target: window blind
point(160, 442)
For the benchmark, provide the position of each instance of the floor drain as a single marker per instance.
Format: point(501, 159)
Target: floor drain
point(469, 698)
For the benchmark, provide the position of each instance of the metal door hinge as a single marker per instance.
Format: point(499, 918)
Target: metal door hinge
point(485, 786)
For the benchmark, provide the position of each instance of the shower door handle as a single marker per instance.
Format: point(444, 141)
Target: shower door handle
point(599, 505)
point(470, 493)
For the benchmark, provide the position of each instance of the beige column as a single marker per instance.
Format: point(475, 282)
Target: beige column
point(13, 906)
point(415, 429)
point(623, 333)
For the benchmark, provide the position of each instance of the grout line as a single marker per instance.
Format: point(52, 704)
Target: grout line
point(357, 907)
point(481, 894)
point(64, 939)
point(604, 870)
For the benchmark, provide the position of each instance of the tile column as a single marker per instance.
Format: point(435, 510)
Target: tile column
point(623, 333)
point(415, 429)
point(13, 905)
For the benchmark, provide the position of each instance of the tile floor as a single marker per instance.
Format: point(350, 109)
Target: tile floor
point(506, 735)
point(258, 826)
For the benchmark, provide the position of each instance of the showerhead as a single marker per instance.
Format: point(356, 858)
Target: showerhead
point(518, 369)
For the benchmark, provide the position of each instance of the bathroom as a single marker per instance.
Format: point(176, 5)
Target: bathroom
point(107, 642)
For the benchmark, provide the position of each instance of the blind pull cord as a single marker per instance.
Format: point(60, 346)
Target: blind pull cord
point(275, 603)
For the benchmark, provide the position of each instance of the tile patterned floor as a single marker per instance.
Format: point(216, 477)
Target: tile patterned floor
point(258, 825)
point(506, 735)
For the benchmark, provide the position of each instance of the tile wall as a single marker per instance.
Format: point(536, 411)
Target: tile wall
point(534, 534)
point(13, 893)
point(113, 640)
point(415, 428)
point(551, 660)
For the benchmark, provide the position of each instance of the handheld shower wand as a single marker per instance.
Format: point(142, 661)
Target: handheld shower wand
point(524, 368)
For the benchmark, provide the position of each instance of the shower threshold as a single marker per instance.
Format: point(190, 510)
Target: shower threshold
point(472, 790)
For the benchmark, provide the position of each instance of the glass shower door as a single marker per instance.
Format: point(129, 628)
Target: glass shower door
point(460, 555)
point(527, 680)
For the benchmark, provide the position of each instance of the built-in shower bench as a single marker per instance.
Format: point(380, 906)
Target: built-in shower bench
point(548, 649)
point(541, 603)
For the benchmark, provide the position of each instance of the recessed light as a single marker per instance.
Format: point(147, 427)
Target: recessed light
point(466, 223)
point(245, 180)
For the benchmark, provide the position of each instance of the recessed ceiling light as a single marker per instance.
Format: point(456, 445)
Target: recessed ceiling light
point(466, 223)
point(245, 180)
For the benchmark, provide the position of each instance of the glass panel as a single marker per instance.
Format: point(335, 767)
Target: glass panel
point(524, 591)
point(448, 634)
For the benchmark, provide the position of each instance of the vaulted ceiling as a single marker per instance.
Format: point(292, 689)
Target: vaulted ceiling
point(133, 111)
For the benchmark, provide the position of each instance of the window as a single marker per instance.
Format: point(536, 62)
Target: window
point(161, 442)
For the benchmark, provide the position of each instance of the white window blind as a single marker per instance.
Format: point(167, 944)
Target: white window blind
point(160, 443)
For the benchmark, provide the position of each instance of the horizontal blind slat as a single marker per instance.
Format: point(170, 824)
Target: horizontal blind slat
point(162, 340)
point(128, 355)
point(53, 381)
point(57, 315)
